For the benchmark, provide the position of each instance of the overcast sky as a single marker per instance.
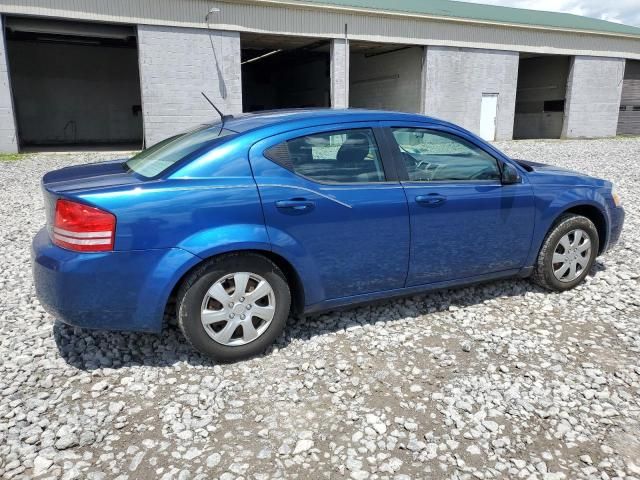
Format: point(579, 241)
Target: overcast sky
point(622, 11)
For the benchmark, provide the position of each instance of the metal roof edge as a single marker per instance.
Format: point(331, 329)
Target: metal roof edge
point(399, 14)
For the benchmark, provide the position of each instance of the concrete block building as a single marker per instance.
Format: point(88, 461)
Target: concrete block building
point(106, 72)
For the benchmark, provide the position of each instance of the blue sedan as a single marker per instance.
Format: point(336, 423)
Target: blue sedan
point(236, 224)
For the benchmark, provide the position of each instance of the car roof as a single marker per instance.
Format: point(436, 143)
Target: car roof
point(271, 118)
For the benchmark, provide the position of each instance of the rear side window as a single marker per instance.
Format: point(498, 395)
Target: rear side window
point(345, 156)
point(431, 156)
point(154, 160)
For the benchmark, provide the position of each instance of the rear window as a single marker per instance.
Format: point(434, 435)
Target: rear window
point(154, 160)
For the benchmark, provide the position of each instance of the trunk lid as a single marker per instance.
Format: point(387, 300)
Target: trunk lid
point(89, 177)
point(71, 181)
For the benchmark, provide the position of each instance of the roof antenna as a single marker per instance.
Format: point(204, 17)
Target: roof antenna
point(223, 117)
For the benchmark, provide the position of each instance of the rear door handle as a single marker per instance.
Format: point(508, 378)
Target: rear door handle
point(296, 205)
point(431, 200)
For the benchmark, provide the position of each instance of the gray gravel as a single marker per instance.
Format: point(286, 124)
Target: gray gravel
point(492, 381)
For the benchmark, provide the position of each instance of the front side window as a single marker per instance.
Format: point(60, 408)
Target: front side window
point(158, 158)
point(432, 156)
point(346, 156)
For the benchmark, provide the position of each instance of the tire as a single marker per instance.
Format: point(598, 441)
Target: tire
point(220, 275)
point(565, 232)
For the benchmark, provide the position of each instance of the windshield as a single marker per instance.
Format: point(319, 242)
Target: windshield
point(158, 158)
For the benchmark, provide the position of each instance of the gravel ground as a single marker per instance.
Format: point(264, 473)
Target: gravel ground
point(500, 380)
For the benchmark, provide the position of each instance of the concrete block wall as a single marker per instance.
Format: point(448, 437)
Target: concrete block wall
point(8, 139)
point(339, 73)
point(176, 64)
point(594, 89)
point(456, 78)
point(391, 81)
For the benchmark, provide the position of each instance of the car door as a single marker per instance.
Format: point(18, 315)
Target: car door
point(464, 221)
point(334, 207)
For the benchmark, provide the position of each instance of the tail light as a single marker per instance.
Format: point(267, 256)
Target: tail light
point(83, 228)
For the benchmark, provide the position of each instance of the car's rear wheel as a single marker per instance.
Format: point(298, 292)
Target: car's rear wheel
point(567, 254)
point(234, 307)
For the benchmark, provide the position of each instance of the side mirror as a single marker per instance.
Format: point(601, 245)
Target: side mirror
point(510, 175)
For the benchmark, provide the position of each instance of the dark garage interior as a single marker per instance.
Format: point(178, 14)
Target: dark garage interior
point(74, 84)
point(540, 96)
point(629, 117)
point(284, 72)
point(385, 76)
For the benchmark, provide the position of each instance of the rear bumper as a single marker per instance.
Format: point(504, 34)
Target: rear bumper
point(125, 290)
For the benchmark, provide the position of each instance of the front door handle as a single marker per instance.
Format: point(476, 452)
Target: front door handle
point(431, 200)
point(296, 205)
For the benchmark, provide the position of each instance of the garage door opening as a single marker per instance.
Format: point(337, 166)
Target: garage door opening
point(540, 96)
point(385, 76)
point(284, 72)
point(74, 84)
point(629, 117)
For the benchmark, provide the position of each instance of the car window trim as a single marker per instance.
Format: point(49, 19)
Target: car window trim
point(386, 154)
point(386, 157)
point(402, 169)
point(453, 183)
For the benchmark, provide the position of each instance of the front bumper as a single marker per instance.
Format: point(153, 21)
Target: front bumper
point(120, 290)
point(617, 221)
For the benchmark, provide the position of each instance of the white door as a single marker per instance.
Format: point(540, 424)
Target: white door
point(488, 113)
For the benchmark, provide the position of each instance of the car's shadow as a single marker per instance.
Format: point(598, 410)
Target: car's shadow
point(94, 349)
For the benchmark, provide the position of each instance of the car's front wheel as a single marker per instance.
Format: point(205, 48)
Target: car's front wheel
point(567, 253)
point(234, 307)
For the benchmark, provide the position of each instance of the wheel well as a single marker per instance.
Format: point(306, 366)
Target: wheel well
point(293, 279)
point(597, 217)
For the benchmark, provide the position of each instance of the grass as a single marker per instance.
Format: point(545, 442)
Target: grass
point(627, 137)
point(11, 157)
